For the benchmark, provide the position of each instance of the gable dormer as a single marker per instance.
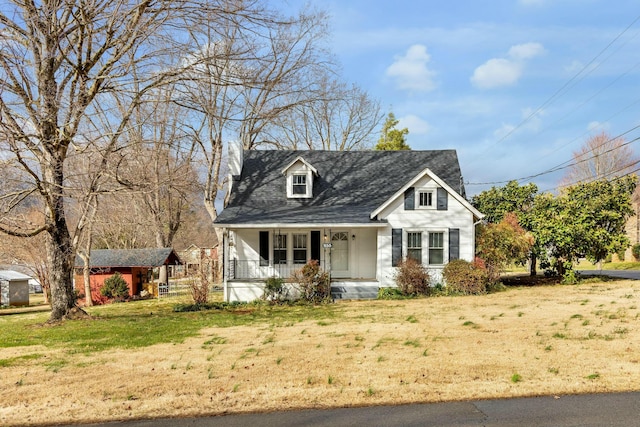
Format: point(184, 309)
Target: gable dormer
point(299, 175)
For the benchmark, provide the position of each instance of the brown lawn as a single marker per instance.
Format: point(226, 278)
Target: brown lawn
point(545, 340)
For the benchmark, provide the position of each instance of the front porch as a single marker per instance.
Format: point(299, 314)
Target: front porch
point(249, 290)
point(348, 254)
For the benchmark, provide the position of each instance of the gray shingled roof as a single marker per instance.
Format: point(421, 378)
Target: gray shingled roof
point(349, 186)
point(151, 257)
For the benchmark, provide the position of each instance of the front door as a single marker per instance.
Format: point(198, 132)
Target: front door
point(340, 254)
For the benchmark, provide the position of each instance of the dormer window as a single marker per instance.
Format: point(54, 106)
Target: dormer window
point(299, 185)
point(425, 199)
point(299, 175)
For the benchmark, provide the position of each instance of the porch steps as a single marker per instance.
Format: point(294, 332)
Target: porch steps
point(354, 291)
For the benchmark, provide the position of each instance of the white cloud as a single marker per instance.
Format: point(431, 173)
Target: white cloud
point(526, 51)
point(533, 118)
point(503, 130)
point(574, 67)
point(530, 122)
point(411, 71)
point(498, 72)
point(598, 126)
point(415, 124)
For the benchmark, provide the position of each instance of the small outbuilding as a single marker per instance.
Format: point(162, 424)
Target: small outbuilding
point(135, 266)
point(14, 288)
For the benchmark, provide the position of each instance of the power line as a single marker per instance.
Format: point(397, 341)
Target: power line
point(582, 135)
point(609, 174)
point(568, 163)
point(562, 90)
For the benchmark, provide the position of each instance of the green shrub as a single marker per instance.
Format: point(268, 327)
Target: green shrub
point(635, 250)
point(115, 287)
point(466, 278)
point(412, 278)
point(390, 293)
point(313, 283)
point(569, 278)
point(275, 290)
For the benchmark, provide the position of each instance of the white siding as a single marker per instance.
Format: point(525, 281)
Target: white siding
point(425, 220)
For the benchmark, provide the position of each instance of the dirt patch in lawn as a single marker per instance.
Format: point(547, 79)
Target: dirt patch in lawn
point(545, 340)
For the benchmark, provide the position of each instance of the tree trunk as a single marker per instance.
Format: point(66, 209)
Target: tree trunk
point(60, 254)
point(532, 266)
point(213, 213)
point(86, 276)
point(60, 258)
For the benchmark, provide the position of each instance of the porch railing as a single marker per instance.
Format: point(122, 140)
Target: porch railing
point(255, 269)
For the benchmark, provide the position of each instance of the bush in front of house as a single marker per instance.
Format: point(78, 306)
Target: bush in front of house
point(466, 278)
point(313, 284)
point(635, 250)
point(275, 290)
point(115, 287)
point(412, 278)
point(391, 293)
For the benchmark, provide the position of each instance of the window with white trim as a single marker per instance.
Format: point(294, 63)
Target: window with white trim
point(299, 248)
point(299, 184)
point(280, 249)
point(436, 248)
point(425, 199)
point(414, 246)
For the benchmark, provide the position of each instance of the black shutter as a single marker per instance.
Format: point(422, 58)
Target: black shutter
point(443, 199)
point(410, 199)
point(264, 248)
point(315, 245)
point(396, 246)
point(454, 243)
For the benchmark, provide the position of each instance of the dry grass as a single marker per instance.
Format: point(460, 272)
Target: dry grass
point(526, 341)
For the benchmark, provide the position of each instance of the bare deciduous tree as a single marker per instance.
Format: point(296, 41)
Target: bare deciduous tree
point(247, 72)
point(157, 168)
point(60, 65)
point(342, 118)
point(601, 157)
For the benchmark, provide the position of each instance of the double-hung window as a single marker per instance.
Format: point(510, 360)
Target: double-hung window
point(299, 248)
point(425, 199)
point(436, 248)
point(299, 185)
point(280, 249)
point(414, 246)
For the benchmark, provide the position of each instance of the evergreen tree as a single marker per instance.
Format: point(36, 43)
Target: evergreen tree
point(392, 139)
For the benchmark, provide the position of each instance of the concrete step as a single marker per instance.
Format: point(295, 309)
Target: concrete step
point(354, 292)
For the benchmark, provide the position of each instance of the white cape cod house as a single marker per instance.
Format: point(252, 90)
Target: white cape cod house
point(357, 212)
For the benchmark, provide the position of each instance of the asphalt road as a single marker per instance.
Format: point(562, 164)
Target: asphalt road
point(624, 274)
point(616, 409)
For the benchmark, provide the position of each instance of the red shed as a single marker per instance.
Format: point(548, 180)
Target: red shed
point(133, 264)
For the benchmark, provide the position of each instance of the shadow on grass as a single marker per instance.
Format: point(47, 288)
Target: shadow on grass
point(542, 280)
point(527, 280)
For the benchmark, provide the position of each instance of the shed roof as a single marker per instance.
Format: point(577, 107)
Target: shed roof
point(13, 275)
point(150, 257)
point(349, 186)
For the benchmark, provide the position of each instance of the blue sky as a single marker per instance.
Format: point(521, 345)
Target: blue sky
point(515, 86)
